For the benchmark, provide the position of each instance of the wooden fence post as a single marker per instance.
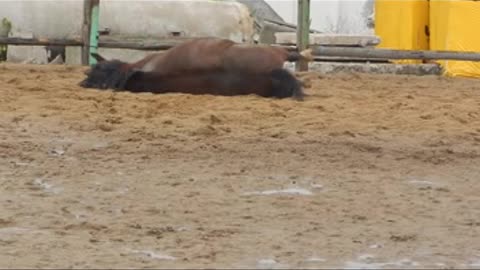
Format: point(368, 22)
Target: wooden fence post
point(91, 14)
point(303, 31)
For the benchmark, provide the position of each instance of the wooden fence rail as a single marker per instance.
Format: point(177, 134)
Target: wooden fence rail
point(109, 42)
point(105, 42)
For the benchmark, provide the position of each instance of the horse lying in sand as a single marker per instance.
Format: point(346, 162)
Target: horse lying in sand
point(279, 83)
point(196, 58)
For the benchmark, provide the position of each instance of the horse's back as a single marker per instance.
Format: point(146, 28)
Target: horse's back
point(254, 58)
point(196, 55)
point(209, 54)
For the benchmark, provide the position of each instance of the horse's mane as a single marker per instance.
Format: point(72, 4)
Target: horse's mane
point(106, 75)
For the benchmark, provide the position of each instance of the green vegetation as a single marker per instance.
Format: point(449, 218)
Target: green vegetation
point(5, 27)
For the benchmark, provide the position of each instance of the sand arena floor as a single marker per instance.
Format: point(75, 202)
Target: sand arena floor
point(370, 171)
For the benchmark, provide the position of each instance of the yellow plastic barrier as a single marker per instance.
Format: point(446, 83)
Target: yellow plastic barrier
point(455, 26)
point(402, 25)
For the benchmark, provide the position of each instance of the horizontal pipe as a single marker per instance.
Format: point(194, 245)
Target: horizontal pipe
point(393, 54)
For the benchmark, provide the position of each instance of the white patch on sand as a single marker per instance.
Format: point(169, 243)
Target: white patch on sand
point(362, 265)
point(315, 259)
point(366, 262)
point(153, 255)
point(316, 186)
point(183, 229)
point(365, 257)
point(100, 145)
point(375, 246)
point(288, 191)
point(475, 264)
point(425, 184)
point(267, 261)
point(269, 264)
point(46, 186)
point(80, 216)
point(421, 182)
point(22, 163)
point(57, 152)
point(123, 191)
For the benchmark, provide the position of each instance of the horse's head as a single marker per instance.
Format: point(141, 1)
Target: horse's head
point(106, 74)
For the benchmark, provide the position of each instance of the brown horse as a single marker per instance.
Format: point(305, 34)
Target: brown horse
point(278, 83)
point(200, 54)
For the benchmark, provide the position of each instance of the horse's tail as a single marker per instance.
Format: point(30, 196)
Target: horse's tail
point(303, 55)
point(284, 84)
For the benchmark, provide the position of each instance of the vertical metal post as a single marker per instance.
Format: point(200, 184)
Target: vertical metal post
point(91, 16)
point(303, 31)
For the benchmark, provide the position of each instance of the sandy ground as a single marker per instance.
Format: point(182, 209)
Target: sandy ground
point(372, 171)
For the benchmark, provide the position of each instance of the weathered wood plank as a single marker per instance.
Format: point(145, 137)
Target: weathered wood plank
point(87, 21)
point(303, 31)
point(112, 42)
point(40, 41)
point(90, 30)
point(289, 38)
point(105, 42)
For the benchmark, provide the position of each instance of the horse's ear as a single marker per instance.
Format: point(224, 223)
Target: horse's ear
point(98, 57)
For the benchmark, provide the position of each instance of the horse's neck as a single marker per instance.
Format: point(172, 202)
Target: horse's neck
point(139, 82)
point(150, 62)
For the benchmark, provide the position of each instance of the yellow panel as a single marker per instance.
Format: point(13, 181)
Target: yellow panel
point(438, 24)
point(455, 27)
point(401, 25)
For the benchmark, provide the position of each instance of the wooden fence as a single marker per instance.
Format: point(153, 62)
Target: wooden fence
point(91, 41)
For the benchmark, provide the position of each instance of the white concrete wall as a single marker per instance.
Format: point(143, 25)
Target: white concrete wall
point(331, 16)
point(47, 18)
point(63, 18)
point(136, 19)
point(195, 18)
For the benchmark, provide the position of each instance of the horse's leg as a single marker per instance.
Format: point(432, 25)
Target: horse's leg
point(305, 55)
point(284, 84)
